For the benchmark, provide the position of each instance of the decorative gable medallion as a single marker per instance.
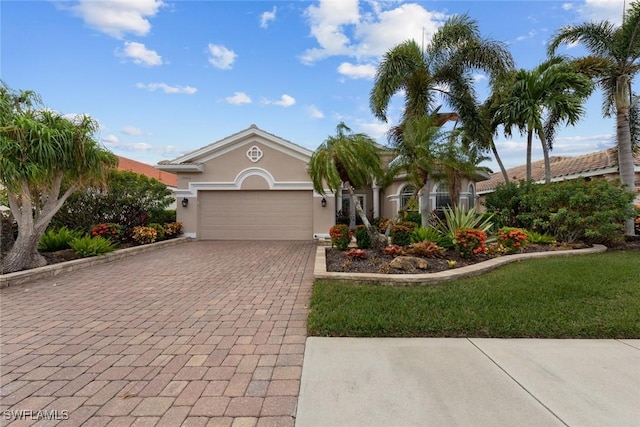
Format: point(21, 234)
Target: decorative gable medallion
point(254, 154)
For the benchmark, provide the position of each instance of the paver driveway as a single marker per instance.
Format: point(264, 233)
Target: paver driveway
point(203, 333)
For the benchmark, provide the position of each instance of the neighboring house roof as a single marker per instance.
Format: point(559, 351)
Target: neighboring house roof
point(167, 178)
point(192, 162)
point(591, 164)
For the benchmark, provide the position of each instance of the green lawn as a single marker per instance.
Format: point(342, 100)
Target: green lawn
point(587, 296)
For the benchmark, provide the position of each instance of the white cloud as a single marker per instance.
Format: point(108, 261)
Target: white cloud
point(130, 130)
point(314, 112)
point(375, 129)
point(221, 57)
point(340, 28)
point(478, 77)
point(601, 10)
point(152, 87)
point(238, 98)
point(140, 55)
point(362, 71)
point(118, 17)
point(267, 17)
point(284, 101)
point(110, 139)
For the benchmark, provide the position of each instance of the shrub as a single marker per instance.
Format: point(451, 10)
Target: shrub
point(356, 253)
point(172, 229)
point(162, 216)
point(363, 239)
point(426, 249)
point(512, 239)
point(506, 204)
point(340, 236)
point(91, 246)
point(395, 250)
point(57, 240)
point(381, 224)
point(159, 230)
point(457, 218)
point(144, 235)
point(431, 234)
point(401, 233)
point(108, 230)
point(534, 237)
point(414, 217)
point(470, 241)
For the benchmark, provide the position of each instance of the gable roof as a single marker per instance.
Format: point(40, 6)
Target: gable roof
point(591, 164)
point(191, 162)
point(167, 178)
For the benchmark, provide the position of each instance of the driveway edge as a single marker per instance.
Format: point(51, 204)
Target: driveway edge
point(21, 277)
point(320, 269)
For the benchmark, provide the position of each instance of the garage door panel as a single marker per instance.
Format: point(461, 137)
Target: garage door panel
point(257, 215)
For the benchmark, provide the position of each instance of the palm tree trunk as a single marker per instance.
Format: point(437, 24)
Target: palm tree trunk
point(505, 175)
point(529, 143)
point(625, 159)
point(359, 210)
point(545, 152)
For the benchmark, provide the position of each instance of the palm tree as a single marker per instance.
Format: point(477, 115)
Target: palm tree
point(541, 98)
point(346, 159)
point(614, 52)
point(442, 70)
point(44, 158)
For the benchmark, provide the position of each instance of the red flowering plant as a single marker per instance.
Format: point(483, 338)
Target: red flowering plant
point(355, 253)
point(340, 236)
point(470, 242)
point(395, 250)
point(512, 239)
point(108, 230)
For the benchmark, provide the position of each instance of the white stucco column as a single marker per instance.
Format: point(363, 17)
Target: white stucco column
point(376, 199)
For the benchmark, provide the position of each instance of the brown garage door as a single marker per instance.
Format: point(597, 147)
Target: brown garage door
point(255, 215)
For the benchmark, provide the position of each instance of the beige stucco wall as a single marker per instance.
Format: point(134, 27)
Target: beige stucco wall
point(323, 218)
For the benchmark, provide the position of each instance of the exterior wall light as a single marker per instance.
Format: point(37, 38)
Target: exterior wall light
point(324, 202)
point(185, 202)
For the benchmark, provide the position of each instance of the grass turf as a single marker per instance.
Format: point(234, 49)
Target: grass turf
point(587, 296)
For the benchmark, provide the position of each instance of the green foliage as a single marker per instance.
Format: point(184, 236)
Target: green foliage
point(160, 235)
point(505, 203)
point(91, 246)
point(363, 238)
point(401, 233)
point(457, 218)
point(163, 216)
point(57, 240)
point(144, 235)
point(577, 210)
point(534, 237)
point(422, 234)
point(129, 199)
point(425, 249)
point(413, 216)
point(340, 236)
point(470, 241)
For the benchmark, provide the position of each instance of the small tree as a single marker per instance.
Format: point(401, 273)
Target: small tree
point(42, 152)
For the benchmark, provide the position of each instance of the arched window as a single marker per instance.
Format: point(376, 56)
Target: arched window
point(407, 198)
point(443, 199)
point(472, 196)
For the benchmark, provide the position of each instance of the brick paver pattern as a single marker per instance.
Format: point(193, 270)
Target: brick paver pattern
point(198, 334)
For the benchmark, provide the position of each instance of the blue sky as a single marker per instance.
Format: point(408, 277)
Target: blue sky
point(167, 77)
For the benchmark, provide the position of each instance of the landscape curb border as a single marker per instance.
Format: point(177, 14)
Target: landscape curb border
point(52, 270)
point(320, 268)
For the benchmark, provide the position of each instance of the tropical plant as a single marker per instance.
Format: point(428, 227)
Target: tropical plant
point(363, 239)
point(356, 253)
point(457, 218)
point(340, 236)
point(172, 229)
point(536, 238)
point(612, 63)
point(56, 240)
point(346, 160)
point(108, 230)
point(144, 235)
point(422, 234)
point(44, 158)
point(395, 250)
point(425, 249)
point(401, 233)
point(159, 230)
point(540, 100)
point(512, 239)
point(87, 246)
point(470, 242)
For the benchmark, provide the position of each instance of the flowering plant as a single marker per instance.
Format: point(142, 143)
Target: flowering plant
point(470, 242)
point(512, 239)
point(340, 236)
point(108, 230)
point(355, 253)
point(144, 235)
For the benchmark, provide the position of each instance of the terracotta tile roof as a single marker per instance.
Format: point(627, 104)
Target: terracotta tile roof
point(586, 164)
point(167, 178)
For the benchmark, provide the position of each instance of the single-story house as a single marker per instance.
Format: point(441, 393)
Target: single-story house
point(255, 185)
point(602, 164)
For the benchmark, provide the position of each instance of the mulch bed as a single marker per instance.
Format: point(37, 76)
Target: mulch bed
point(337, 261)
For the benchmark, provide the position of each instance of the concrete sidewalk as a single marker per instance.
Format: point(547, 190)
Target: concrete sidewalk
point(469, 382)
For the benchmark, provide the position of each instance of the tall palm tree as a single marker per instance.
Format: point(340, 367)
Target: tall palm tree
point(545, 97)
point(441, 71)
point(346, 159)
point(614, 53)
